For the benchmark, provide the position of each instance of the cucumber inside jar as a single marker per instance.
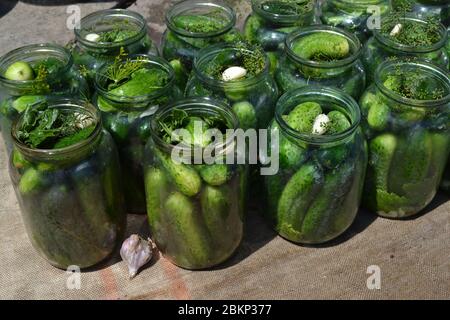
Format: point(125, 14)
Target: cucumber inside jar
point(406, 116)
point(239, 75)
point(322, 55)
point(315, 195)
point(65, 173)
point(194, 206)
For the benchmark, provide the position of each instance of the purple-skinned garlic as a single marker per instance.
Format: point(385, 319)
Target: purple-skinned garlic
point(136, 252)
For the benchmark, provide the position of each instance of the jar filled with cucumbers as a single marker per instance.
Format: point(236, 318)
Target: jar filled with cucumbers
point(322, 55)
point(193, 25)
point(406, 116)
point(356, 16)
point(405, 36)
point(195, 205)
point(65, 171)
point(102, 34)
point(271, 21)
point(316, 193)
point(30, 74)
point(239, 75)
point(128, 92)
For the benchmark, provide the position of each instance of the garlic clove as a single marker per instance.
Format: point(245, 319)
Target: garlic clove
point(92, 37)
point(320, 125)
point(234, 73)
point(396, 30)
point(136, 252)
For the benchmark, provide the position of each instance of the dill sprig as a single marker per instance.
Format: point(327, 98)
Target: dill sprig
point(251, 58)
point(122, 68)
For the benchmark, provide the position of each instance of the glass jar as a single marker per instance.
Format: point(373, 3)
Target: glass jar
point(70, 198)
point(271, 21)
point(253, 99)
point(15, 96)
point(353, 15)
point(406, 116)
point(315, 195)
point(296, 71)
point(195, 211)
point(380, 47)
point(127, 119)
point(191, 27)
point(102, 34)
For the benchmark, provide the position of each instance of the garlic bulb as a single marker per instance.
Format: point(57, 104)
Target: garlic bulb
point(233, 73)
point(93, 37)
point(136, 252)
point(320, 124)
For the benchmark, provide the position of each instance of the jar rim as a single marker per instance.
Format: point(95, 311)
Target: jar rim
point(194, 104)
point(51, 50)
point(353, 41)
point(280, 18)
point(78, 105)
point(337, 95)
point(216, 49)
point(359, 3)
point(184, 6)
point(93, 18)
point(417, 64)
point(385, 40)
point(149, 60)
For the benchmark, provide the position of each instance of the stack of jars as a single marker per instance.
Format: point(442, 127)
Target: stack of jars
point(354, 98)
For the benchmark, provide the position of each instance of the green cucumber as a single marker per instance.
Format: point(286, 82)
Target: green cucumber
point(296, 198)
point(378, 115)
point(189, 231)
point(31, 180)
point(185, 177)
point(324, 44)
point(381, 153)
point(214, 174)
point(246, 114)
point(302, 117)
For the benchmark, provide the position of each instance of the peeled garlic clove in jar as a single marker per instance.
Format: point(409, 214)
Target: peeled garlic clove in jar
point(320, 125)
point(92, 37)
point(234, 73)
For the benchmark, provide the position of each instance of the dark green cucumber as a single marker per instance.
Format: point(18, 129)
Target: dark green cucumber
point(214, 174)
point(296, 198)
point(318, 222)
point(189, 231)
point(183, 176)
point(381, 153)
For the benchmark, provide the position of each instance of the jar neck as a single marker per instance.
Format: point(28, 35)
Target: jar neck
point(200, 7)
point(396, 46)
point(136, 103)
point(197, 107)
point(31, 54)
point(207, 56)
point(286, 20)
point(332, 66)
point(332, 98)
point(108, 20)
point(72, 153)
point(428, 70)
